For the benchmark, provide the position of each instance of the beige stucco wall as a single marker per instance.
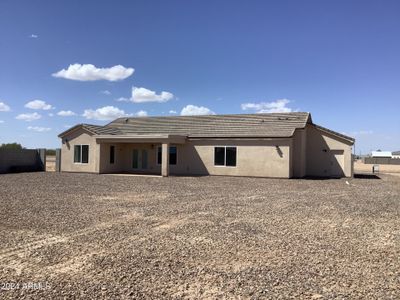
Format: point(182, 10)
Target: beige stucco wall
point(79, 137)
point(196, 157)
point(299, 156)
point(299, 153)
point(254, 158)
point(324, 163)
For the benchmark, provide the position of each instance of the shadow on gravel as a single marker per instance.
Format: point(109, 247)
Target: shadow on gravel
point(358, 176)
point(318, 178)
point(366, 176)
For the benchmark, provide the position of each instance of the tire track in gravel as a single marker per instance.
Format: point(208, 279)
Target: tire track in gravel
point(17, 258)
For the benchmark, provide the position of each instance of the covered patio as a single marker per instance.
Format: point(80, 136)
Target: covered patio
point(138, 154)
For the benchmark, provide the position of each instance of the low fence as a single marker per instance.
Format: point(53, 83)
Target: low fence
point(24, 160)
point(381, 161)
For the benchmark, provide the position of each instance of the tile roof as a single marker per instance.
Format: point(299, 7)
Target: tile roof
point(213, 126)
point(244, 125)
point(95, 129)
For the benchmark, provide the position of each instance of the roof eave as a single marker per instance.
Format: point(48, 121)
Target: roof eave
point(337, 134)
point(72, 129)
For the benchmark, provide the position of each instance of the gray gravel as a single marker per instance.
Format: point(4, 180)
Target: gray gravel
point(104, 236)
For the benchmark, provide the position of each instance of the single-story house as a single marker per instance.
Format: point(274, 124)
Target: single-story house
point(283, 145)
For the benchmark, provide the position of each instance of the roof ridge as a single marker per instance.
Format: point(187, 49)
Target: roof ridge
point(214, 115)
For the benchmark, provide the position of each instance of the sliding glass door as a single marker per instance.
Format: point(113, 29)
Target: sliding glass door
point(139, 159)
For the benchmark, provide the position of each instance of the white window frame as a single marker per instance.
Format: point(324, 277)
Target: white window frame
point(82, 163)
point(225, 166)
point(160, 147)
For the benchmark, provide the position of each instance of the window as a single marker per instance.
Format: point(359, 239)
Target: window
point(173, 155)
point(81, 154)
point(112, 154)
point(135, 159)
point(225, 156)
point(139, 159)
point(85, 154)
point(77, 153)
point(219, 156)
point(230, 157)
point(159, 155)
point(144, 159)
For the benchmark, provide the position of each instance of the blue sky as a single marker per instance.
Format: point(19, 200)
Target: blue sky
point(95, 60)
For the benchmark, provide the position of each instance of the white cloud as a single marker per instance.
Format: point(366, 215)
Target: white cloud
point(122, 99)
point(141, 113)
point(89, 72)
point(1, 121)
point(67, 126)
point(38, 104)
point(277, 106)
point(39, 129)
point(4, 107)
point(105, 92)
point(28, 117)
point(172, 112)
point(33, 36)
point(140, 95)
point(66, 113)
point(51, 115)
point(104, 113)
point(193, 110)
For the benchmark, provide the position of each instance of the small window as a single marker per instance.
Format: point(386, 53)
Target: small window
point(85, 154)
point(159, 155)
point(173, 155)
point(112, 154)
point(225, 156)
point(231, 156)
point(135, 159)
point(81, 154)
point(77, 153)
point(219, 156)
point(144, 159)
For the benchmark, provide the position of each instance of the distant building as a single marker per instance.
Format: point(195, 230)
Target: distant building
point(396, 154)
point(381, 154)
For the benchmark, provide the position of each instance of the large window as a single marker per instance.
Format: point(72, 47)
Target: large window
point(81, 154)
point(173, 155)
point(112, 154)
point(225, 156)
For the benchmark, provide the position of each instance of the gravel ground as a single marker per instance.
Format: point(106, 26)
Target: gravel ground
point(102, 236)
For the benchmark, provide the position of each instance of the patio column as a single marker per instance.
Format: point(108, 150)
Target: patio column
point(165, 159)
